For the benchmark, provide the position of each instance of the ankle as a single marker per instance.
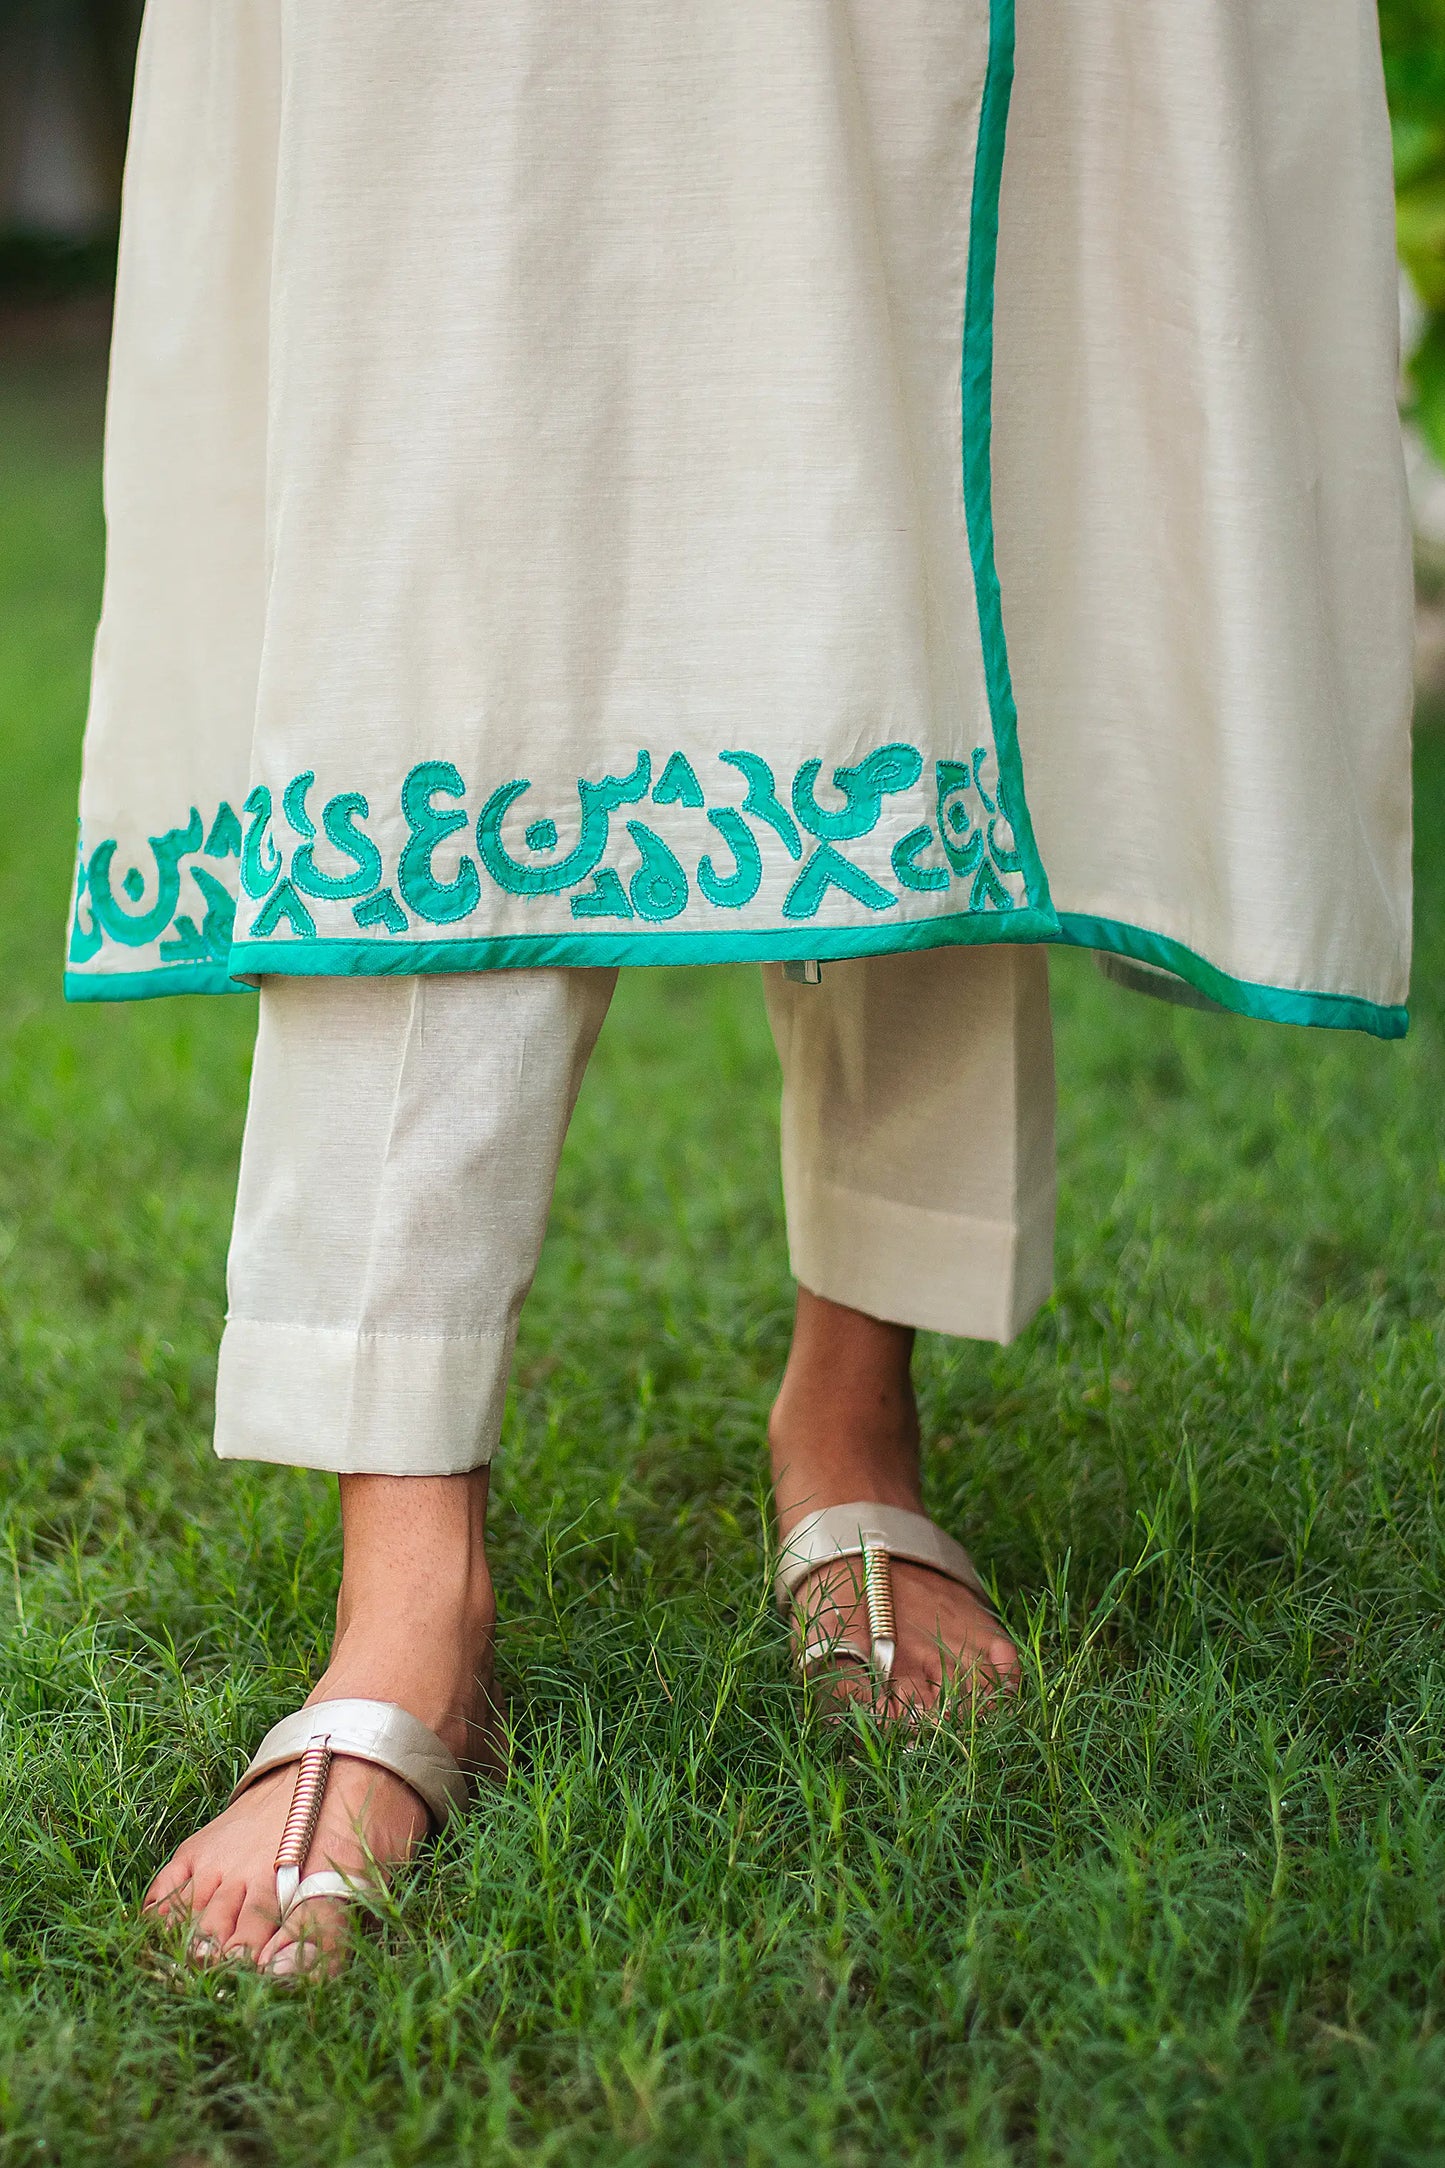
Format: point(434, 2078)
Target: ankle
point(432, 1658)
point(415, 1553)
point(845, 1422)
point(453, 1602)
point(805, 1482)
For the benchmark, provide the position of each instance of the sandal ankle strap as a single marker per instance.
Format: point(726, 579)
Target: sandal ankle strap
point(853, 1531)
point(369, 1731)
point(878, 1535)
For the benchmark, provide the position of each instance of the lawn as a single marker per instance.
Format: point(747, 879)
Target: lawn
point(1184, 1903)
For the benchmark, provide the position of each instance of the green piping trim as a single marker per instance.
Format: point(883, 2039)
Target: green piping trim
point(976, 396)
point(149, 985)
point(538, 951)
point(1270, 1004)
point(327, 959)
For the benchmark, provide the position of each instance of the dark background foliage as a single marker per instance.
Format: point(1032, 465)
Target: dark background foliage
point(1414, 35)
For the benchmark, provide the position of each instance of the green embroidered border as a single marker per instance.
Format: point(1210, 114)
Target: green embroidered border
point(976, 395)
point(539, 951)
point(150, 985)
point(1270, 1004)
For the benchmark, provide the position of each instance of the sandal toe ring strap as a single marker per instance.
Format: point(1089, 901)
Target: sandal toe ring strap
point(823, 1651)
point(370, 1731)
point(328, 1882)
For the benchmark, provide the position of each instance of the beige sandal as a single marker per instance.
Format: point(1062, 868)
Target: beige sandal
point(877, 1535)
point(369, 1731)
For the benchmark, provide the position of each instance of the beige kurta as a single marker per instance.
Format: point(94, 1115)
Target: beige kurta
point(555, 461)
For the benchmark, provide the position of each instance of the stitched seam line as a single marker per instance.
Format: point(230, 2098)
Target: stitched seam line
point(1037, 1201)
point(355, 1336)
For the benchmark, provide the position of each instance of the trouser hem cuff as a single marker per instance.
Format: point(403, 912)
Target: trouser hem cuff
point(359, 1403)
point(974, 1279)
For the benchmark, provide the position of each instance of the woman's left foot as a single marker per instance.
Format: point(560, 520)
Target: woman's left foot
point(415, 1624)
point(844, 1428)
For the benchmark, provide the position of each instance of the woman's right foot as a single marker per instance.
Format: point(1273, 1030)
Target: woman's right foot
point(415, 1626)
point(844, 1428)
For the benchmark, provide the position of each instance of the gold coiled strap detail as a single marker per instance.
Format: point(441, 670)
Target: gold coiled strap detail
point(305, 1807)
point(878, 1588)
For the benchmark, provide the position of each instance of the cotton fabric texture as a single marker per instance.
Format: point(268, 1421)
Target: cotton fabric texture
point(402, 1144)
point(803, 478)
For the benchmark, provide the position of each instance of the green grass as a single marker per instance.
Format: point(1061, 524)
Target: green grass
point(1183, 1903)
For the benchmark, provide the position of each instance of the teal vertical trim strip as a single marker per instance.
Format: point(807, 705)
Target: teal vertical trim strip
point(1270, 1004)
point(976, 391)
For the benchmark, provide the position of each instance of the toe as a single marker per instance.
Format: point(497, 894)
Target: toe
point(996, 1666)
point(982, 1674)
point(284, 1961)
point(175, 1901)
point(214, 1922)
point(188, 1904)
point(256, 1924)
point(312, 1939)
point(841, 1690)
point(171, 1889)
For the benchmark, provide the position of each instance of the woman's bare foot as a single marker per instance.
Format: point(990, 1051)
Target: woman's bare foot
point(845, 1427)
point(414, 1625)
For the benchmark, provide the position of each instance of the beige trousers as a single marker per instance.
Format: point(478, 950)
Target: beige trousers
point(403, 1139)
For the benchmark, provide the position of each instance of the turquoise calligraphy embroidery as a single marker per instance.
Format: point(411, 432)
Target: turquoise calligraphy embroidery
point(985, 849)
point(224, 840)
point(963, 843)
point(827, 869)
point(293, 803)
point(439, 901)
point(339, 819)
point(678, 784)
point(382, 910)
point(951, 832)
point(739, 887)
point(762, 800)
point(606, 898)
point(659, 889)
point(284, 903)
point(85, 941)
point(136, 929)
point(598, 803)
point(906, 853)
point(211, 941)
point(891, 768)
point(260, 859)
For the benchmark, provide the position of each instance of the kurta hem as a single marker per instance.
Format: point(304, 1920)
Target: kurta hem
point(1267, 1004)
point(323, 959)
